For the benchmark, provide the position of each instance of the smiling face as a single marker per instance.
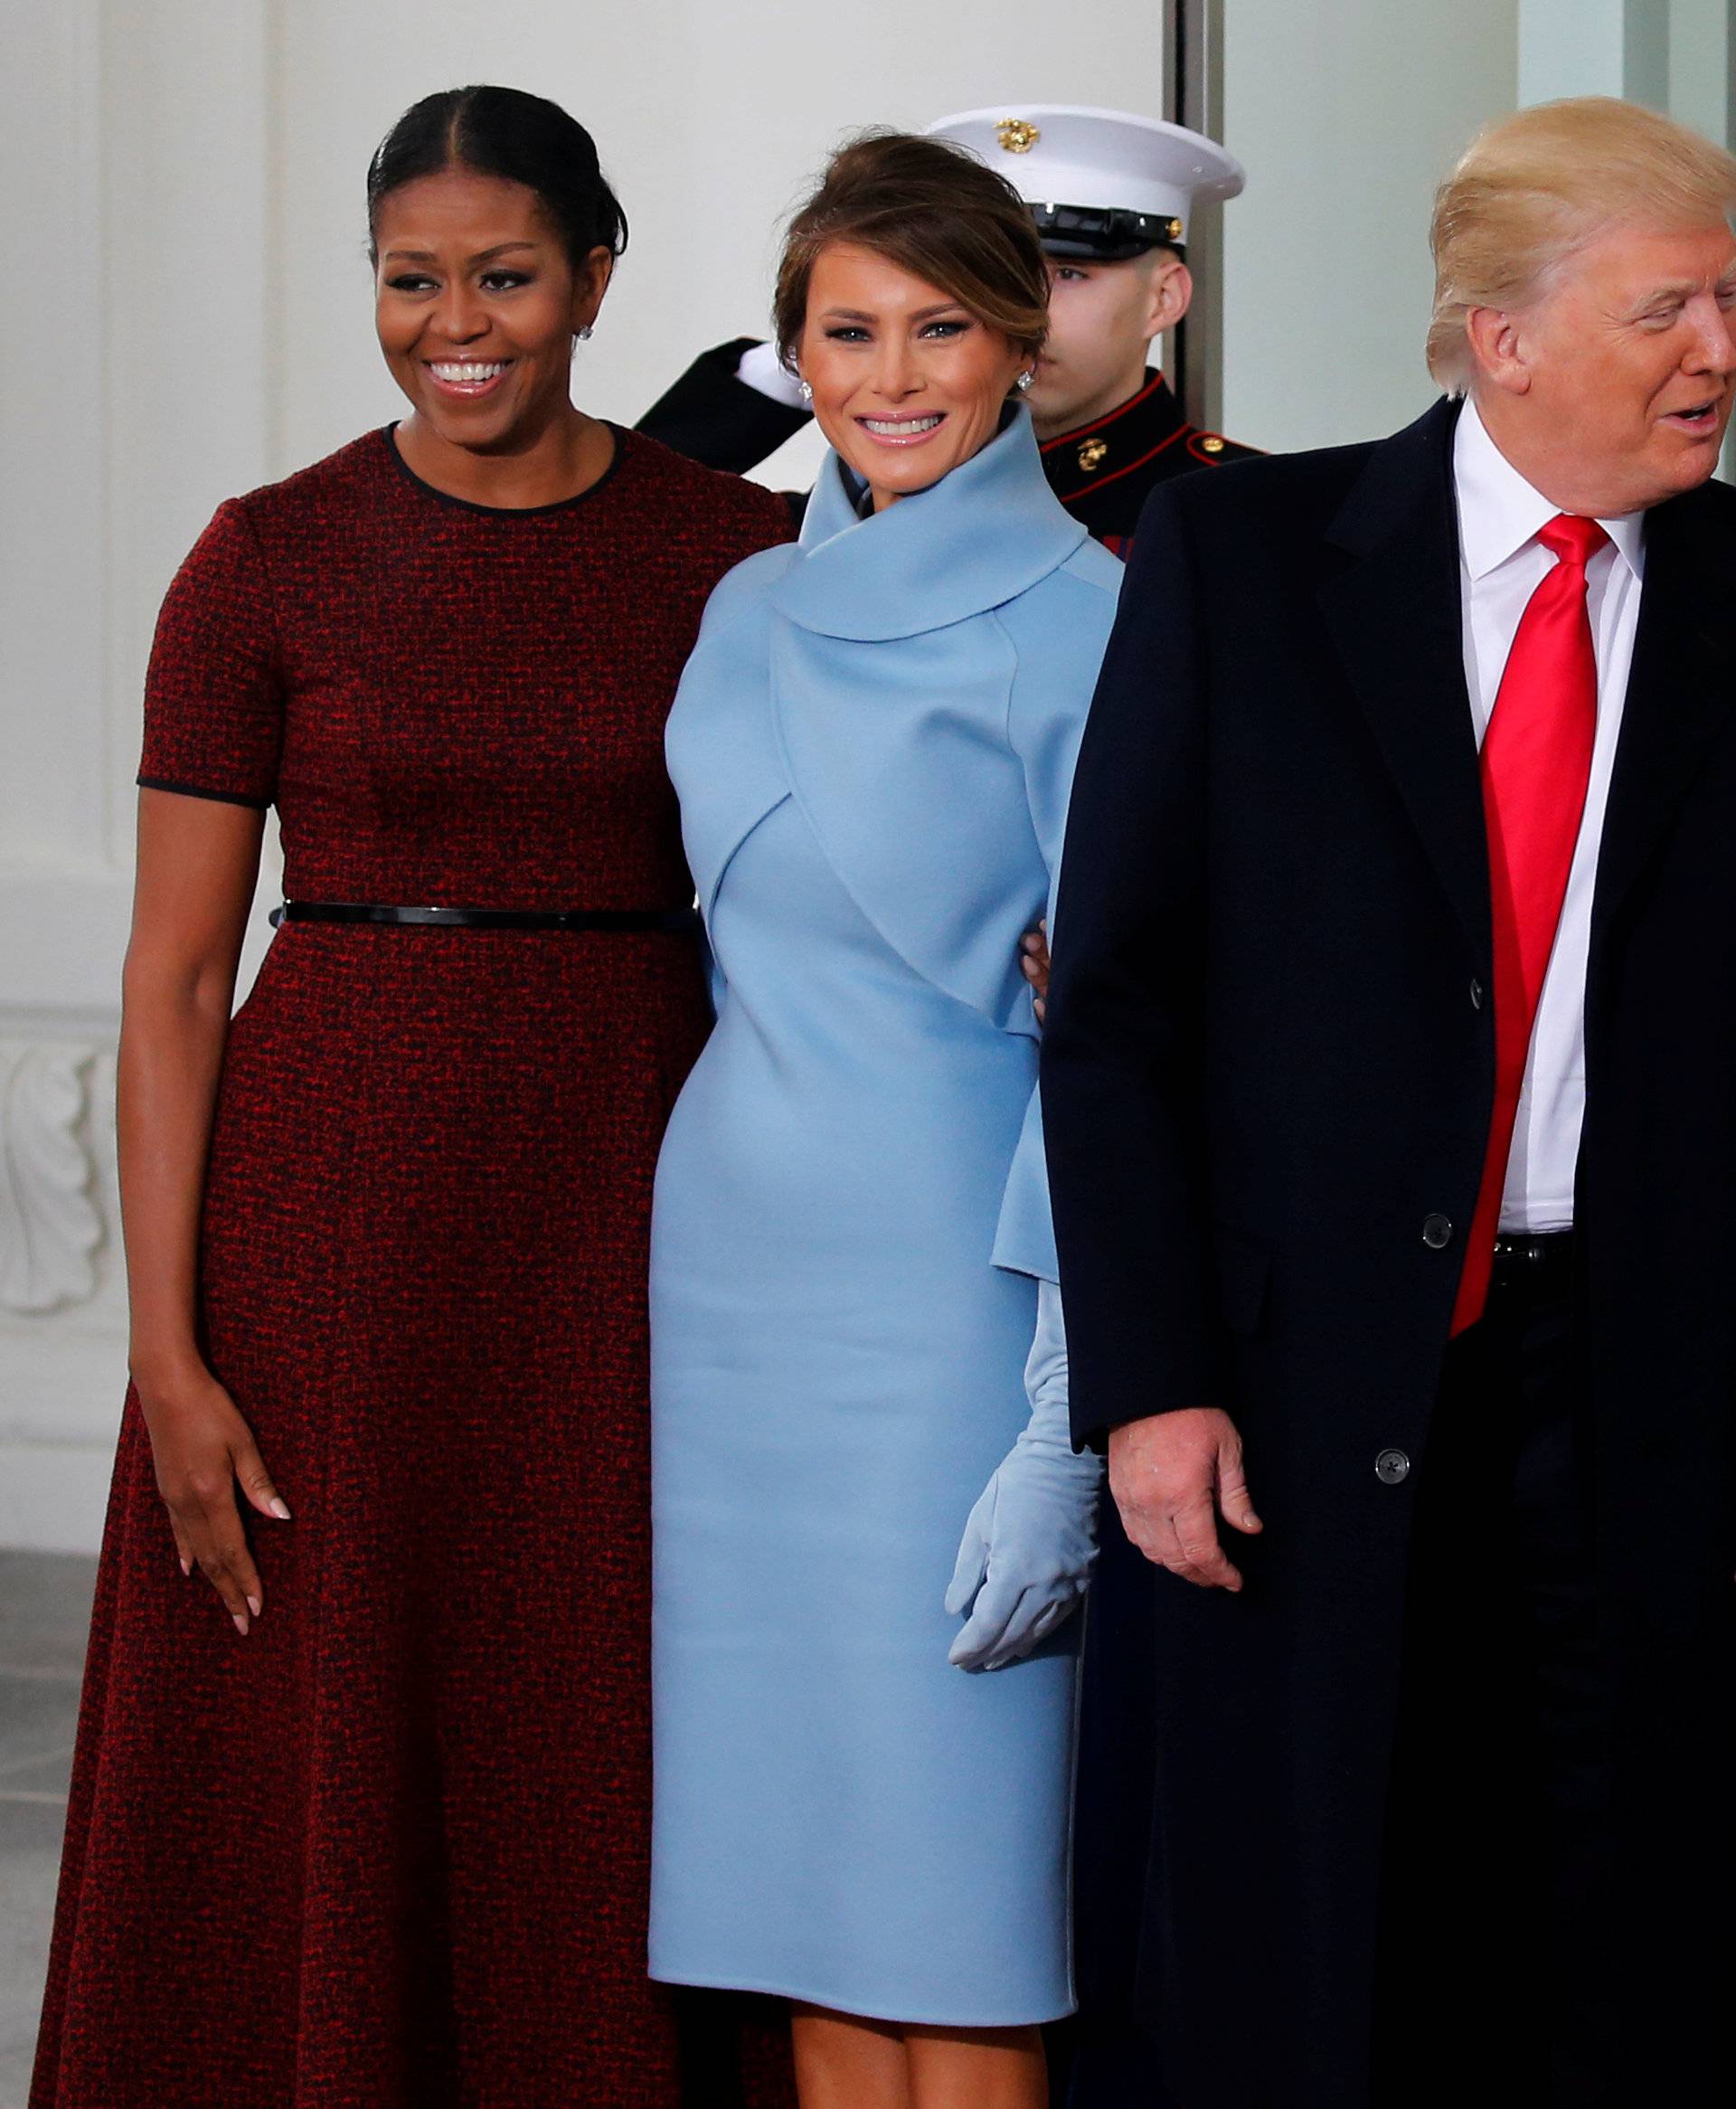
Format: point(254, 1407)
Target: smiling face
point(477, 306)
point(907, 383)
point(1612, 391)
point(1102, 317)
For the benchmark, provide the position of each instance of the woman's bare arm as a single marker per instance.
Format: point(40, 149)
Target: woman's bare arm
point(198, 863)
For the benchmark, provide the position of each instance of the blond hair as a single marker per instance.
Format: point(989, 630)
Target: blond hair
point(1535, 187)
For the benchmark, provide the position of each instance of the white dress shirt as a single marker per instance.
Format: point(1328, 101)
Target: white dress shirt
point(1501, 563)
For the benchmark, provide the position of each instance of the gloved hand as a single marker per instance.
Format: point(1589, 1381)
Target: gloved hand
point(762, 369)
point(1030, 1540)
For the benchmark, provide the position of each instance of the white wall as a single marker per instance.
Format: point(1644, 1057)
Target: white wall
point(711, 122)
point(1347, 114)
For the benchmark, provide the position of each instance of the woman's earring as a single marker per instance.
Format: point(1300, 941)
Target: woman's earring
point(1023, 382)
point(584, 333)
point(807, 388)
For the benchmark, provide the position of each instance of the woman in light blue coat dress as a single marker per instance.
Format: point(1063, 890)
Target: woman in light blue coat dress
point(862, 1803)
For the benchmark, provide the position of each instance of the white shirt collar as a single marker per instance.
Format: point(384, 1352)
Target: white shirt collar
point(1499, 512)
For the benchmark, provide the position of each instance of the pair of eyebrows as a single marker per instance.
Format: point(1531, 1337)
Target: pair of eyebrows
point(481, 256)
point(934, 314)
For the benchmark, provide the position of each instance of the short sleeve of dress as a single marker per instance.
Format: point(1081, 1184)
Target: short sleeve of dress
point(213, 697)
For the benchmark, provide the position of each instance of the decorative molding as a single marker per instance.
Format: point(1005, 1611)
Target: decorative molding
point(51, 1226)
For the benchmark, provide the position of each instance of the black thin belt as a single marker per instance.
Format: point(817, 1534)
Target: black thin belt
point(673, 919)
point(1538, 1264)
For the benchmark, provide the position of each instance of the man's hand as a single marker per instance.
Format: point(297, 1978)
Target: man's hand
point(1172, 1475)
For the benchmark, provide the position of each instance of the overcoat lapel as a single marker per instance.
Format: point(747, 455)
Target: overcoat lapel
point(1394, 613)
point(1680, 693)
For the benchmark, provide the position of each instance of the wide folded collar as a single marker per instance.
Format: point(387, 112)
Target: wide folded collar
point(975, 540)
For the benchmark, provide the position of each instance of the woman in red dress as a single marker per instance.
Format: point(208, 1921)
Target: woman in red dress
point(362, 1801)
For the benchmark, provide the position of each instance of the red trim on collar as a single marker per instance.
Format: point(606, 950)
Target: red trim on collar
point(1109, 417)
point(1115, 474)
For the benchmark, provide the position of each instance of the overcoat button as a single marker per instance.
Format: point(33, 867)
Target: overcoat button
point(1392, 1468)
point(1477, 993)
point(1437, 1232)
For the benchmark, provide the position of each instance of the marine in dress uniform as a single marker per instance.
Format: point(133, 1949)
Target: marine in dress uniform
point(1107, 189)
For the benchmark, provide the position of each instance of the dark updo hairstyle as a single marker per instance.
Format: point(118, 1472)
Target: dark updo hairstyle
point(521, 138)
point(934, 210)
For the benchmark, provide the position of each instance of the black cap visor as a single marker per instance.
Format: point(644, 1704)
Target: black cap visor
point(1104, 233)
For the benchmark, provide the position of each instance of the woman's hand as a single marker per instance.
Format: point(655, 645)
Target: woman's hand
point(201, 1447)
point(1033, 963)
point(1028, 1550)
point(1031, 1541)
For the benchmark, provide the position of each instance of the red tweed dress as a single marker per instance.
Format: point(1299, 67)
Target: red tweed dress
point(392, 1847)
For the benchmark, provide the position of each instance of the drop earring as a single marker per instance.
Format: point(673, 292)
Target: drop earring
point(807, 388)
point(584, 333)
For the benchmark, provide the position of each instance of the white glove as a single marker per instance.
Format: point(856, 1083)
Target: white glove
point(764, 372)
point(1031, 1541)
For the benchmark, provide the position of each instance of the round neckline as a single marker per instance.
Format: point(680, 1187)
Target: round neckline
point(389, 434)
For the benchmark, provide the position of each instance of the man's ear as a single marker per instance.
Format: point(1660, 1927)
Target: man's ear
point(1171, 289)
point(1498, 349)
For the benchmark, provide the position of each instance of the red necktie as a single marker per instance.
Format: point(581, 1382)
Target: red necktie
point(1536, 763)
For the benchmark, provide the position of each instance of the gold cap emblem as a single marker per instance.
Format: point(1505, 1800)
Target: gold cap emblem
point(1210, 444)
point(1091, 454)
point(1017, 135)
point(1174, 230)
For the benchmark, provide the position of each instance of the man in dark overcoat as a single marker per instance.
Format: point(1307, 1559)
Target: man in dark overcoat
point(1389, 1086)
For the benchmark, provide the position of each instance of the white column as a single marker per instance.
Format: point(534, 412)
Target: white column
point(1346, 115)
point(1673, 54)
point(134, 137)
point(1702, 79)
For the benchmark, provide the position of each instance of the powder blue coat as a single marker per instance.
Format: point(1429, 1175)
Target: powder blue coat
point(874, 743)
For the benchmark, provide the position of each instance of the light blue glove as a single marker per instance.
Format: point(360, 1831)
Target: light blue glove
point(1030, 1540)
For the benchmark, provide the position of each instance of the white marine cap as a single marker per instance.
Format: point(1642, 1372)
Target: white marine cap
point(1100, 183)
